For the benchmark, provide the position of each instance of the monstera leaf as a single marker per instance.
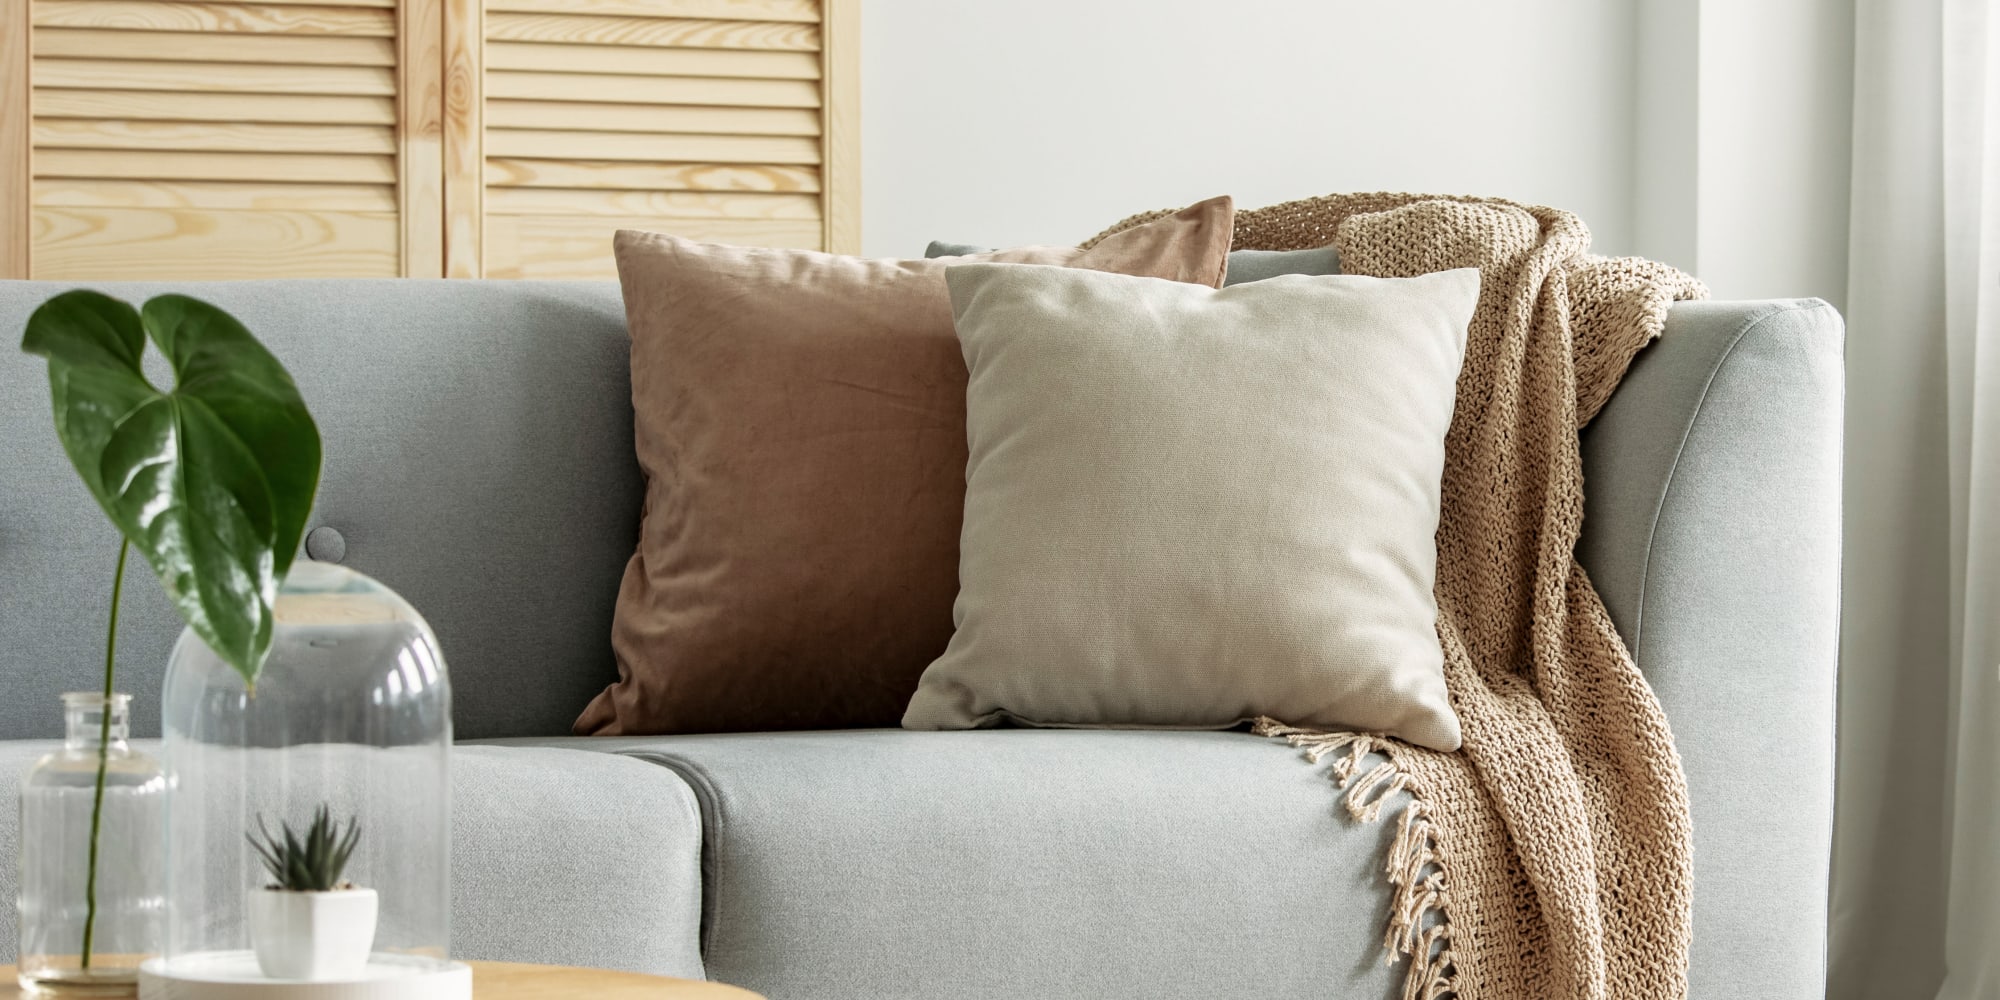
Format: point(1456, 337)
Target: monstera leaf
point(212, 481)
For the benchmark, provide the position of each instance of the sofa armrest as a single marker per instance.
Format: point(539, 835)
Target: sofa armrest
point(570, 857)
point(1712, 531)
point(558, 855)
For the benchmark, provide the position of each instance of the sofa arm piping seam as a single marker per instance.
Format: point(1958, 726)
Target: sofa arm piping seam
point(1680, 450)
point(709, 806)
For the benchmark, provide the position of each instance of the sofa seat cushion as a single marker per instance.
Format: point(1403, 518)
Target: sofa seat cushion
point(1029, 863)
point(559, 856)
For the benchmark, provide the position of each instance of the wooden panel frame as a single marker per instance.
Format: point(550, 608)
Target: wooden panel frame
point(464, 133)
point(840, 104)
point(16, 170)
point(176, 244)
point(420, 32)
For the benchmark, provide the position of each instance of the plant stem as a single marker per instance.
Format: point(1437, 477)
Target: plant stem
point(103, 753)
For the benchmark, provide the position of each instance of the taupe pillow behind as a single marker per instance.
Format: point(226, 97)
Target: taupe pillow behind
point(1188, 508)
point(1244, 265)
point(800, 418)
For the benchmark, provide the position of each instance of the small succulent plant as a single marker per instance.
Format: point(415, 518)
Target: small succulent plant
point(309, 863)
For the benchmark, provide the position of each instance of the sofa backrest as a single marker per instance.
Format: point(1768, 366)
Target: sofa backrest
point(478, 459)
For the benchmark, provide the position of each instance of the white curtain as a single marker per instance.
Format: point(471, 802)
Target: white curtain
point(1916, 879)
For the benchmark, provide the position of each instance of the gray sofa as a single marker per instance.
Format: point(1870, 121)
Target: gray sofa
point(479, 459)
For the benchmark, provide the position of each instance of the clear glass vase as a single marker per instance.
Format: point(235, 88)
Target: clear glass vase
point(79, 936)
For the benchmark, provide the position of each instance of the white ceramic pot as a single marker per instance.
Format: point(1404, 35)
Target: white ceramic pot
point(314, 936)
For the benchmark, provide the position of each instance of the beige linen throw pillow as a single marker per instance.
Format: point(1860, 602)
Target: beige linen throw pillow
point(1187, 507)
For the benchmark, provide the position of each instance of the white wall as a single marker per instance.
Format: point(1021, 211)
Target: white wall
point(1042, 121)
point(1775, 147)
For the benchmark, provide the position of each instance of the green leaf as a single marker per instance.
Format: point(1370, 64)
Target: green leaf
point(213, 481)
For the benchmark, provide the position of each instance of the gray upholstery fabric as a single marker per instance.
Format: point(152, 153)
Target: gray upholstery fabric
point(1712, 530)
point(1244, 265)
point(558, 856)
point(1059, 864)
point(478, 440)
point(574, 858)
point(479, 460)
point(1028, 863)
point(1256, 265)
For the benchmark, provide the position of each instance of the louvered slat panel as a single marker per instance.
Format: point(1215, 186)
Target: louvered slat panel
point(166, 244)
point(153, 105)
point(637, 61)
point(603, 176)
point(241, 78)
point(172, 15)
point(215, 139)
point(658, 148)
point(552, 246)
point(702, 118)
point(584, 117)
point(65, 133)
point(207, 47)
point(780, 36)
point(619, 89)
point(280, 167)
point(214, 195)
point(385, 4)
point(428, 137)
point(719, 10)
point(657, 204)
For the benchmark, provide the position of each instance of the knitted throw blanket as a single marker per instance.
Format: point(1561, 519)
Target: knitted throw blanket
point(1550, 856)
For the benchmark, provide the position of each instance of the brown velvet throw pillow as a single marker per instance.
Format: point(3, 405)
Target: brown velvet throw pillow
point(800, 418)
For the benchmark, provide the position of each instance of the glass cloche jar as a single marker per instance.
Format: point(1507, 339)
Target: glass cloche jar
point(349, 719)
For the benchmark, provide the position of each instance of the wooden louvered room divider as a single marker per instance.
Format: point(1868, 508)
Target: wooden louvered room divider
point(346, 138)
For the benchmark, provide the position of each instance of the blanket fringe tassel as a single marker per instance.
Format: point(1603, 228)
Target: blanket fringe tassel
point(1417, 923)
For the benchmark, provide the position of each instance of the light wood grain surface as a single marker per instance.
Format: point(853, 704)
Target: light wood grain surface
point(657, 204)
point(840, 103)
point(579, 247)
point(507, 981)
point(601, 175)
point(721, 10)
point(423, 138)
point(777, 149)
point(84, 244)
point(334, 168)
point(278, 108)
point(510, 981)
point(464, 138)
point(650, 118)
point(420, 139)
point(15, 144)
point(173, 15)
point(214, 137)
point(213, 46)
point(773, 35)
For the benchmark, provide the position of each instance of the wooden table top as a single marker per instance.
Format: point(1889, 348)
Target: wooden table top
point(515, 981)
